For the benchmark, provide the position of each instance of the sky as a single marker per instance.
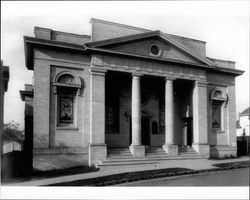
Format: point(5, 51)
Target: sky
point(224, 25)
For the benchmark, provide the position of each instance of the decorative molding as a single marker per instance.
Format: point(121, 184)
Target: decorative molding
point(97, 71)
point(79, 82)
point(136, 74)
point(65, 63)
point(201, 83)
point(170, 78)
point(224, 98)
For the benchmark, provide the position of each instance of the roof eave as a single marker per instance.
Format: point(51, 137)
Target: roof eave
point(235, 72)
point(30, 43)
point(24, 93)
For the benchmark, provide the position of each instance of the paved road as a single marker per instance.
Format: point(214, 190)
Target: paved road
point(235, 177)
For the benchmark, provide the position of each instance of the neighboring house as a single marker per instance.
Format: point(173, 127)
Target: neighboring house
point(125, 90)
point(243, 123)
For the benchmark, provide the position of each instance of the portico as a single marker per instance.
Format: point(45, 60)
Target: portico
point(165, 101)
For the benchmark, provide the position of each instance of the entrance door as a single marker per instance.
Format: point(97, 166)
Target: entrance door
point(145, 131)
point(189, 132)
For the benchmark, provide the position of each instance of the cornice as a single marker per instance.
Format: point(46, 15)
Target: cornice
point(30, 43)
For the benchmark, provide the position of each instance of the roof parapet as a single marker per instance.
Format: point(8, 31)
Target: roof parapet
point(49, 34)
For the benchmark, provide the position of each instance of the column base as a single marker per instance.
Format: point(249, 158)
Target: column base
point(137, 150)
point(171, 150)
point(97, 152)
point(202, 149)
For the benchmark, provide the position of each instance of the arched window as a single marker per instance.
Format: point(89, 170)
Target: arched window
point(218, 99)
point(67, 86)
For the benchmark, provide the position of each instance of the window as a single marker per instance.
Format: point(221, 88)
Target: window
point(66, 106)
point(155, 50)
point(218, 99)
point(216, 114)
point(66, 86)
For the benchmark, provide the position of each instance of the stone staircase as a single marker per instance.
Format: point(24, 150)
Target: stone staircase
point(187, 151)
point(153, 155)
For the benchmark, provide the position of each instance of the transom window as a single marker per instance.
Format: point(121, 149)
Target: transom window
point(67, 79)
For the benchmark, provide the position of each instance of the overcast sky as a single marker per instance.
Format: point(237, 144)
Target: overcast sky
point(223, 25)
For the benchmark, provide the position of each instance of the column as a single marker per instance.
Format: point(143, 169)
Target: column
point(97, 147)
point(200, 127)
point(169, 145)
point(136, 148)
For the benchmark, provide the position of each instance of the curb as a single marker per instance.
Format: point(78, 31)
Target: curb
point(142, 175)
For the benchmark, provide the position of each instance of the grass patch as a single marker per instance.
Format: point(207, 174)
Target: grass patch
point(126, 177)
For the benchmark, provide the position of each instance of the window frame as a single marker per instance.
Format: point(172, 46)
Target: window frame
point(73, 89)
point(221, 101)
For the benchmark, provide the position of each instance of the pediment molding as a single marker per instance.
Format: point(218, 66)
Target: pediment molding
point(104, 44)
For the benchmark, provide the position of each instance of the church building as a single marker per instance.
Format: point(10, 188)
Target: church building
point(126, 92)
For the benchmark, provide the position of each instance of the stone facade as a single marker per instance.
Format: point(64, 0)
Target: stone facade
point(126, 87)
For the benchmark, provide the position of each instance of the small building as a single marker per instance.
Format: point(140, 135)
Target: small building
point(243, 123)
point(126, 89)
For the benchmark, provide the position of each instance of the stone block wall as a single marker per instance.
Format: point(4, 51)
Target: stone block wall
point(223, 142)
point(47, 64)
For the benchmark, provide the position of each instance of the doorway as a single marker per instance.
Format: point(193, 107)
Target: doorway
point(188, 133)
point(145, 131)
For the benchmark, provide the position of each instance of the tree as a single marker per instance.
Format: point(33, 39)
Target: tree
point(11, 131)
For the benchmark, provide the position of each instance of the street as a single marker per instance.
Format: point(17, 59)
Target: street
point(235, 177)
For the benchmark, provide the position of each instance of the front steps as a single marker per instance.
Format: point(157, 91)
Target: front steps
point(187, 151)
point(154, 155)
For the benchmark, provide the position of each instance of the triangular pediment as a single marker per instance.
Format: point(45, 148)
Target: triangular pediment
point(151, 44)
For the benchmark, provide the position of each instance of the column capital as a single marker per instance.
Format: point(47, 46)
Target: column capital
point(97, 71)
point(137, 74)
point(201, 83)
point(169, 78)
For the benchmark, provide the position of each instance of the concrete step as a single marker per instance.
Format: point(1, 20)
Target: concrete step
point(154, 151)
point(147, 158)
point(119, 156)
point(187, 152)
point(126, 163)
point(143, 162)
point(157, 154)
point(118, 152)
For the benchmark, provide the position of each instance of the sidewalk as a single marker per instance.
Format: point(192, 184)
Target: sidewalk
point(192, 166)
